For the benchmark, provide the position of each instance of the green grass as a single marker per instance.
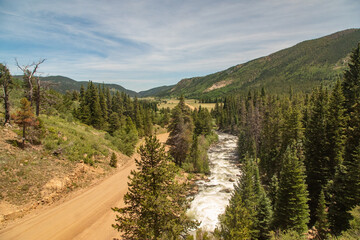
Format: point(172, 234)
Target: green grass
point(76, 141)
point(65, 145)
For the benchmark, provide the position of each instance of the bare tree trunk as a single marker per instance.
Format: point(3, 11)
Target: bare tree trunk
point(30, 90)
point(6, 104)
point(28, 75)
point(38, 96)
point(24, 136)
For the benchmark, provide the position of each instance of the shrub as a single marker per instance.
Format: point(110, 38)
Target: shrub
point(113, 160)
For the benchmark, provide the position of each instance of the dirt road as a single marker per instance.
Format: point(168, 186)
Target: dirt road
point(86, 216)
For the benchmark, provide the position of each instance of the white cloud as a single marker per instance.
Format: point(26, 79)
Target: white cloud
point(159, 42)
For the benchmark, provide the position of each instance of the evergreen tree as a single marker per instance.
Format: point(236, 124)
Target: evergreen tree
point(236, 222)
point(335, 129)
point(147, 123)
point(291, 209)
point(263, 211)
point(202, 122)
point(117, 103)
point(108, 101)
point(103, 104)
point(249, 194)
point(346, 193)
point(198, 158)
point(351, 82)
point(322, 224)
point(6, 83)
point(25, 118)
point(346, 187)
point(83, 113)
point(113, 160)
point(93, 103)
point(271, 140)
point(114, 123)
point(292, 129)
point(126, 138)
point(316, 160)
point(138, 117)
point(181, 131)
point(155, 203)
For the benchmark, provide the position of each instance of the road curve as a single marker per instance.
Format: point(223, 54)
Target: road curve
point(86, 216)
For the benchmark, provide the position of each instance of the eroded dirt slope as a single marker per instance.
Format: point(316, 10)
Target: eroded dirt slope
point(86, 215)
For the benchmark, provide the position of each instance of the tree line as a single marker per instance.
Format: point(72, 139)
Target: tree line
point(301, 157)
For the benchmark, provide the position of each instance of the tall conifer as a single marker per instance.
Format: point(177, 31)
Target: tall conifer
point(155, 203)
point(291, 209)
point(316, 160)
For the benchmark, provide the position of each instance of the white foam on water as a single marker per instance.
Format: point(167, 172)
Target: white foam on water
point(213, 196)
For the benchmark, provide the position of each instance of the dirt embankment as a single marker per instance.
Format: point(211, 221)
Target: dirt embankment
point(32, 178)
point(84, 214)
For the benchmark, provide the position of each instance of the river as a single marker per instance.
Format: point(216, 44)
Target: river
point(214, 195)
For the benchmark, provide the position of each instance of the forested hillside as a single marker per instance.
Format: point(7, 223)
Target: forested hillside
point(301, 164)
point(300, 67)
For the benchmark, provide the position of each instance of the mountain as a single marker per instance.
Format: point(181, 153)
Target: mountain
point(158, 91)
point(63, 84)
point(301, 67)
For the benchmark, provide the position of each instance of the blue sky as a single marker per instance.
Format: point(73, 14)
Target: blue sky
point(150, 43)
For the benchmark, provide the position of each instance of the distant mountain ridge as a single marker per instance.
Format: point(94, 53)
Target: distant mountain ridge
point(158, 91)
point(63, 84)
point(301, 67)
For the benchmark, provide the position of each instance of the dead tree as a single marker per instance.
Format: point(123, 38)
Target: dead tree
point(28, 78)
point(6, 83)
point(37, 95)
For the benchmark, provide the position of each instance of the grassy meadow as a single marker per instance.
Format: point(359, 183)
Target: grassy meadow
point(192, 103)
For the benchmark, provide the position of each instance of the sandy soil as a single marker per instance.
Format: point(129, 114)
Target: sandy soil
point(86, 215)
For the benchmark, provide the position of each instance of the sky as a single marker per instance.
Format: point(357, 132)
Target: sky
point(145, 44)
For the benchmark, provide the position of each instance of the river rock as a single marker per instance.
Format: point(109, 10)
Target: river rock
point(226, 190)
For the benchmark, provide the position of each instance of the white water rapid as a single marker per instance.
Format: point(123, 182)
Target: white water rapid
point(214, 195)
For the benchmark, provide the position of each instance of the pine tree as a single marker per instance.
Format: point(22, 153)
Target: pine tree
point(198, 158)
point(114, 123)
point(346, 187)
point(351, 82)
point(236, 222)
point(316, 160)
point(126, 138)
point(103, 104)
point(117, 103)
point(113, 160)
point(202, 122)
point(291, 209)
point(271, 140)
point(322, 224)
point(292, 129)
point(93, 103)
point(263, 212)
point(6, 84)
point(181, 132)
point(250, 194)
point(155, 203)
point(108, 101)
point(346, 193)
point(25, 118)
point(82, 113)
point(335, 129)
